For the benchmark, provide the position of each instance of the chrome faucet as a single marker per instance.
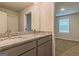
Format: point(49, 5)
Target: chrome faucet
point(34, 30)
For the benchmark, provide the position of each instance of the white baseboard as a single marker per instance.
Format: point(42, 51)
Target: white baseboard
point(68, 39)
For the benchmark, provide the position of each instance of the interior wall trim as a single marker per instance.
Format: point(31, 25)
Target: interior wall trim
point(67, 39)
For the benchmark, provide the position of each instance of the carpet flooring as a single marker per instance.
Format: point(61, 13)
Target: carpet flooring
point(66, 47)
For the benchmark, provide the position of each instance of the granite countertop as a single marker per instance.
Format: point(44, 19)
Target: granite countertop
point(18, 40)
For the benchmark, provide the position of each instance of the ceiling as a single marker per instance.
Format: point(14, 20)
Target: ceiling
point(69, 8)
point(16, 6)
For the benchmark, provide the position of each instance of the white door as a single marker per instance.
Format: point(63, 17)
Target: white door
point(12, 23)
point(3, 22)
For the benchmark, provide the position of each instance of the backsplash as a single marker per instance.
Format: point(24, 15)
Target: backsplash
point(2, 35)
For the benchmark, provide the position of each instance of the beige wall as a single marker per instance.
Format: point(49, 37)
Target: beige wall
point(73, 28)
point(41, 17)
point(46, 16)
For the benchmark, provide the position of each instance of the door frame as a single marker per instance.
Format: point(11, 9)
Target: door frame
point(25, 19)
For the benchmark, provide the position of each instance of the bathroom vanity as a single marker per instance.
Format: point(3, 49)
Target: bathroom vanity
point(33, 44)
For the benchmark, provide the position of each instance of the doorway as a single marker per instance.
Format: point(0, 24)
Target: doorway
point(29, 22)
point(66, 29)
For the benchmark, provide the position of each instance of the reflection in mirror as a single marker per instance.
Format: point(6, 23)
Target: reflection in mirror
point(16, 20)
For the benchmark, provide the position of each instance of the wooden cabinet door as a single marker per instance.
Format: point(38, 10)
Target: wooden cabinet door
point(30, 53)
point(19, 49)
point(45, 49)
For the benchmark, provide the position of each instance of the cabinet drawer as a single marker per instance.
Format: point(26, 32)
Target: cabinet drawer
point(44, 39)
point(19, 49)
point(30, 53)
point(45, 49)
